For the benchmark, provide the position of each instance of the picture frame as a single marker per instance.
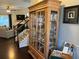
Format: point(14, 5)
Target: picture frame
point(71, 15)
point(67, 48)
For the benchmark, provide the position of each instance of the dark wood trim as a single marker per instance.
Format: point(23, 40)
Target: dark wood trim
point(10, 21)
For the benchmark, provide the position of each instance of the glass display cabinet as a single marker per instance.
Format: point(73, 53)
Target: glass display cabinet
point(44, 18)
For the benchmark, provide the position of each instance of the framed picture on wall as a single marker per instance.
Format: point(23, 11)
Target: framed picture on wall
point(71, 15)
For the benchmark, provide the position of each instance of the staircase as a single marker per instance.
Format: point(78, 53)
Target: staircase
point(19, 28)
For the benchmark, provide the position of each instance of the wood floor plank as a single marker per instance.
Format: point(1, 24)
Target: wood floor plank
point(10, 50)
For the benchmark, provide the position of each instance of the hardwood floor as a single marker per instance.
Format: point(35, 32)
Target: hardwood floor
point(9, 50)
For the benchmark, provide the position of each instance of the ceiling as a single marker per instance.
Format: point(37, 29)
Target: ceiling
point(13, 4)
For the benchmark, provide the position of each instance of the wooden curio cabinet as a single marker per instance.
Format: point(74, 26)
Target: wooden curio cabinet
point(44, 18)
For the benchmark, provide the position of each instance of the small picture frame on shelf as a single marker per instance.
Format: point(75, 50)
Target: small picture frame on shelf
point(68, 47)
point(71, 15)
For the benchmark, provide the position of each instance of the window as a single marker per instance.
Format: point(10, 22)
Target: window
point(4, 20)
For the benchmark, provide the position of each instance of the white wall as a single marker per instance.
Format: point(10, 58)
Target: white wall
point(70, 2)
point(68, 32)
point(14, 19)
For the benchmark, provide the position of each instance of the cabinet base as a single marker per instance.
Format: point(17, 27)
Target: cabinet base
point(35, 54)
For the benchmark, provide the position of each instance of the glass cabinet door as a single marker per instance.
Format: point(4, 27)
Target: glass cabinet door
point(33, 29)
point(53, 27)
point(38, 30)
point(41, 28)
